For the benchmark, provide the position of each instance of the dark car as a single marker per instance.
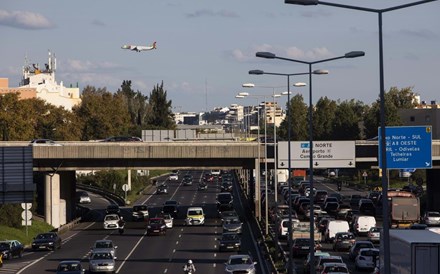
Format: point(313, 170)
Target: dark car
point(49, 240)
point(123, 139)
point(331, 208)
point(320, 196)
point(112, 209)
point(226, 187)
point(187, 180)
point(300, 247)
point(156, 226)
point(343, 241)
point(224, 201)
point(170, 209)
point(202, 186)
point(11, 248)
point(366, 207)
point(70, 267)
point(229, 241)
point(232, 224)
point(162, 189)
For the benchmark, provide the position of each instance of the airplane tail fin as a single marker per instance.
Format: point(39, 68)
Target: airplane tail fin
point(154, 44)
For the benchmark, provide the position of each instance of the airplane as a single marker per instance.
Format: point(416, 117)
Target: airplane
point(139, 48)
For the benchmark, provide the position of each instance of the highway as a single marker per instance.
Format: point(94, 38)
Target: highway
point(138, 252)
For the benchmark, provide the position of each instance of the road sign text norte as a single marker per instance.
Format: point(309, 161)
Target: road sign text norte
point(407, 147)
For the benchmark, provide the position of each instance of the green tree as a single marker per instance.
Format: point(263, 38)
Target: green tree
point(323, 116)
point(297, 110)
point(346, 122)
point(395, 99)
point(161, 115)
point(102, 113)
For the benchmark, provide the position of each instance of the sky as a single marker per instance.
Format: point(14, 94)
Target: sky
point(205, 49)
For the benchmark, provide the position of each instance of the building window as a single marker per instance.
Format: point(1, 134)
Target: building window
point(412, 118)
point(428, 118)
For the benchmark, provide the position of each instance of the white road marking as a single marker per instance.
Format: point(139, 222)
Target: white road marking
point(131, 252)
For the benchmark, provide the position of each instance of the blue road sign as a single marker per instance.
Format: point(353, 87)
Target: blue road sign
point(407, 147)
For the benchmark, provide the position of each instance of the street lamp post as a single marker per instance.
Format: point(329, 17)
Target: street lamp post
point(289, 167)
point(269, 55)
point(385, 209)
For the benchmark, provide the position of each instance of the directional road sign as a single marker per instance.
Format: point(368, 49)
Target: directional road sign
point(407, 147)
point(326, 154)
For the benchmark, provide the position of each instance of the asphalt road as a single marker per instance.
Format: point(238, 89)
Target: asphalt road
point(138, 252)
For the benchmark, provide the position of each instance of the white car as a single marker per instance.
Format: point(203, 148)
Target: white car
point(367, 258)
point(173, 177)
point(432, 218)
point(167, 218)
point(240, 264)
point(111, 221)
point(102, 261)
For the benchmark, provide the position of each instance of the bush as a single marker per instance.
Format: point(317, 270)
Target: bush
point(10, 215)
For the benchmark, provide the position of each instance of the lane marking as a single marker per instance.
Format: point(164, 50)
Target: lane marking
point(131, 252)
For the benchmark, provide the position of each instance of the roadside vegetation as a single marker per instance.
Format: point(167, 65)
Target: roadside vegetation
point(20, 234)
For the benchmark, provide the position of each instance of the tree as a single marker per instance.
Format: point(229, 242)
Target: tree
point(395, 99)
point(323, 116)
point(297, 110)
point(346, 122)
point(161, 116)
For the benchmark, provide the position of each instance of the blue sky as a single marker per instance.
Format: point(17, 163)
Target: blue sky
point(206, 48)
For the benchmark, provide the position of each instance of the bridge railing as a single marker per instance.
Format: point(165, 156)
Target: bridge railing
point(107, 194)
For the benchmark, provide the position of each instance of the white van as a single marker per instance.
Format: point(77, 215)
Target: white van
point(335, 226)
point(362, 224)
point(284, 227)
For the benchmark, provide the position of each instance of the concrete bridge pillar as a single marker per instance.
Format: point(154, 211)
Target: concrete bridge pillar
point(68, 193)
point(432, 189)
point(52, 199)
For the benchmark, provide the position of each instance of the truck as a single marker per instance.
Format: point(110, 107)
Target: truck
point(298, 175)
point(282, 177)
point(302, 230)
point(404, 209)
point(413, 252)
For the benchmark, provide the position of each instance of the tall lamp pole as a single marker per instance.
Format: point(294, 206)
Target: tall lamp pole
point(352, 54)
point(289, 167)
point(386, 246)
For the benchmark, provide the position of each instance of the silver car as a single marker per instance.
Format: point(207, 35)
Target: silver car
point(104, 246)
point(232, 224)
point(240, 264)
point(431, 218)
point(102, 261)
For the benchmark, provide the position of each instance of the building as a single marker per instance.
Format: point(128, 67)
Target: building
point(40, 83)
point(424, 114)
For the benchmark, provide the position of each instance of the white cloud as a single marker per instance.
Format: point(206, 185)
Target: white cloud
point(24, 20)
point(316, 53)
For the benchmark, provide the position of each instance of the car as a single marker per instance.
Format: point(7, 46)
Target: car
point(43, 142)
point(11, 248)
point(354, 250)
point(283, 227)
point(111, 221)
point(232, 224)
point(162, 189)
point(187, 180)
point(123, 139)
point(215, 172)
point(301, 246)
point(70, 267)
point(326, 259)
point(366, 207)
point(343, 241)
point(331, 208)
point(112, 209)
point(140, 213)
point(171, 202)
point(156, 226)
point(102, 261)
point(226, 187)
point(82, 197)
point(240, 264)
point(224, 201)
point(104, 245)
point(362, 224)
point(202, 186)
point(431, 218)
point(229, 241)
point(173, 177)
point(195, 216)
point(48, 240)
point(366, 259)
point(227, 214)
point(374, 234)
point(168, 219)
point(307, 261)
point(171, 209)
point(334, 268)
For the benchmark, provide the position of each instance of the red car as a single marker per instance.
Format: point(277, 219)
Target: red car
point(156, 226)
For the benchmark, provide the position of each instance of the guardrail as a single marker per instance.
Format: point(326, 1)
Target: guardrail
point(107, 194)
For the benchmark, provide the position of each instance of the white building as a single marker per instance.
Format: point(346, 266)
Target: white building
point(43, 80)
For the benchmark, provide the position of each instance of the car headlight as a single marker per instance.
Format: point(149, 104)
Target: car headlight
point(148, 226)
point(162, 226)
point(50, 243)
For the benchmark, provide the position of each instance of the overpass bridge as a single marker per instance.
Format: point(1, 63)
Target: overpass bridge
point(54, 166)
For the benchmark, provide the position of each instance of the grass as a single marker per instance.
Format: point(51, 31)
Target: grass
point(10, 233)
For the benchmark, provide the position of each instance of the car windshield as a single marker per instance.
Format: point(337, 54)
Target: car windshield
point(69, 267)
point(101, 256)
point(4, 245)
point(140, 208)
point(433, 214)
point(111, 218)
point(45, 236)
point(345, 236)
point(230, 237)
point(156, 221)
point(195, 212)
point(337, 269)
point(232, 221)
point(103, 245)
point(242, 260)
point(370, 252)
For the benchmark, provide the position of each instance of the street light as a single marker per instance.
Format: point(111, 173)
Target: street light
point(269, 55)
point(289, 168)
point(382, 106)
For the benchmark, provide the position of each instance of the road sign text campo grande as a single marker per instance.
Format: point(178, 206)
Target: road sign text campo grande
point(326, 154)
point(407, 147)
